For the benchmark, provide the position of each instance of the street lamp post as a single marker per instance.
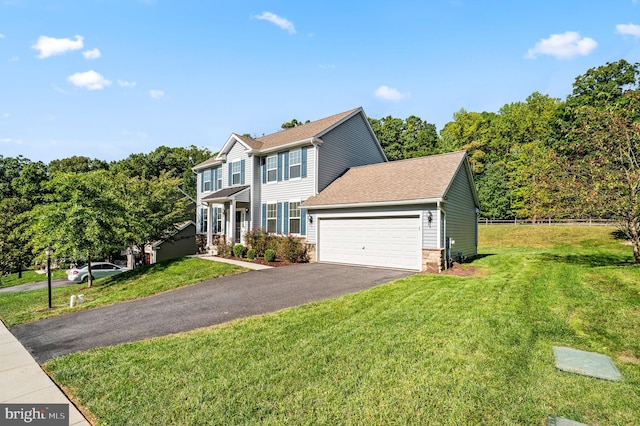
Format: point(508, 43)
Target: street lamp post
point(48, 252)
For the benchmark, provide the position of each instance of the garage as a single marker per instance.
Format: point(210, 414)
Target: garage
point(388, 241)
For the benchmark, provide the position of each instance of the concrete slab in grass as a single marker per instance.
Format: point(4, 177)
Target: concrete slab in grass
point(559, 421)
point(586, 363)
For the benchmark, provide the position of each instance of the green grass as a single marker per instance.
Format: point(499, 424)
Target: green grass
point(29, 277)
point(18, 308)
point(426, 349)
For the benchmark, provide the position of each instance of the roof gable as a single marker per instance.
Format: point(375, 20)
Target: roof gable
point(304, 133)
point(424, 178)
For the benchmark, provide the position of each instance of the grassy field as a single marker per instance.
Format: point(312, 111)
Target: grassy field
point(426, 349)
point(18, 308)
point(30, 277)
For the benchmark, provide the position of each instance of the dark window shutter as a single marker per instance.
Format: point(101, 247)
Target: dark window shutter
point(264, 217)
point(215, 221)
point(279, 166)
point(303, 221)
point(242, 172)
point(229, 166)
point(279, 218)
point(286, 166)
point(202, 181)
point(286, 218)
point(304, 161)
point(263, 162)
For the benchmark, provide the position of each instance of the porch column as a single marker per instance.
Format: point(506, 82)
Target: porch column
point(232, 222)
point(209, 225)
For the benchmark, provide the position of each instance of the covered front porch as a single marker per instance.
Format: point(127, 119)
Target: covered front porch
point(228, 215)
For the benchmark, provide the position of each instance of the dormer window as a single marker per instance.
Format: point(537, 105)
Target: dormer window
point(272, 168)
point(236, 173)
point(295, 164)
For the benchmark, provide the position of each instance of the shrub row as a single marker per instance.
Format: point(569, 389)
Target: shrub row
point(271, 247)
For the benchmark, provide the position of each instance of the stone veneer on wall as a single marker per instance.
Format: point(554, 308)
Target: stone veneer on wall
point(433, 260)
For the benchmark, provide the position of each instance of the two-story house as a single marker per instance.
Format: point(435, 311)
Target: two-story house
point(329, 182)
point(261, 182)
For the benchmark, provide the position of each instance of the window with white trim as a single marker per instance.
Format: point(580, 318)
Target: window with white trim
point(295, 164)
point(294, 217)
point(203, 220)
point(236, 173)
point(272, 168)
point(218, 222)
point(219, 178)
point(272, 218)
point(206, 180)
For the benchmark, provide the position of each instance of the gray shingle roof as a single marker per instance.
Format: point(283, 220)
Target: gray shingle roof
point(288, 136)
point(421, 178)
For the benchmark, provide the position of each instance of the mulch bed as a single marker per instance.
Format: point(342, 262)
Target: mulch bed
point(458, 271)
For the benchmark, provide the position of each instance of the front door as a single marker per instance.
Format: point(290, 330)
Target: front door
point(240, 227)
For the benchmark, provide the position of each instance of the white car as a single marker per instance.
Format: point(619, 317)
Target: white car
point(98, 270)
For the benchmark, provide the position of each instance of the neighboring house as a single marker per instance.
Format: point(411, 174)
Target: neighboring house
point(179, 243)
point(329, 182)
point(414, 214)
point(261, 182)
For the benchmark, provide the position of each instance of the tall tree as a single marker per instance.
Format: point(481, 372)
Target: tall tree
point(607, 177)
point(84, 218)
point(14, 242)
point(408, 138)
point(77, 164)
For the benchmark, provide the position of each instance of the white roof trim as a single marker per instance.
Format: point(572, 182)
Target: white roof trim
point(374, 204)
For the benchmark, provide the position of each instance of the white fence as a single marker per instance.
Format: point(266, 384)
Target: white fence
point(550, 222)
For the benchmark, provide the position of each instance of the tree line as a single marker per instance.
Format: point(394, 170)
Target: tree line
point(86, 209)
point(534, 159)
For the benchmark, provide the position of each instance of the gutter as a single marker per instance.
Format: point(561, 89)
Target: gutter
point(373, 204)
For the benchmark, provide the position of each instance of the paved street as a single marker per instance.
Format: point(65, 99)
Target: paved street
point(207, 303)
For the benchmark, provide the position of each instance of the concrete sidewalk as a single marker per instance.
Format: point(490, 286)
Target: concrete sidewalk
point(248, 265)
point(23, 381)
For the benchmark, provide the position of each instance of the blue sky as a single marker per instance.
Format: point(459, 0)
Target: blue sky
point(107, 78)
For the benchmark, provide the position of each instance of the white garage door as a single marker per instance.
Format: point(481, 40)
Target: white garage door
point(392, 242)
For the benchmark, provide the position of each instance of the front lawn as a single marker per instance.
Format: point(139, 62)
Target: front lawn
point(426, 349)
point(18, 308)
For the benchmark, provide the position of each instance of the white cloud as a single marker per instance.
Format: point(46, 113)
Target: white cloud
point(389, 94)
point(277, 20)
point(1, 36)
point(123, 83)
point(563, 46)
point(10, 141)
point(5, 115)
point(92, 54)
point(628, 29)
point(156, 94)
point(91, 80)
point(49, 46)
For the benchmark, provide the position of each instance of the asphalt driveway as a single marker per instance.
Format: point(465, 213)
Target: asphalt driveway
point(199, 305)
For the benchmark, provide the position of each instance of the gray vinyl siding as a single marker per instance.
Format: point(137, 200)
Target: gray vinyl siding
point(236, 153)
point(461, 221)
point(256, 194)
point(284, 191)
point(430, 230)
point(348, 145)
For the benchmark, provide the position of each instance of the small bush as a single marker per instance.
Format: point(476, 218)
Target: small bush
point(251, 254)
point(270, 255)
point(238, 251)
point(224, 250)
point(292, 249)
point(259, 240)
